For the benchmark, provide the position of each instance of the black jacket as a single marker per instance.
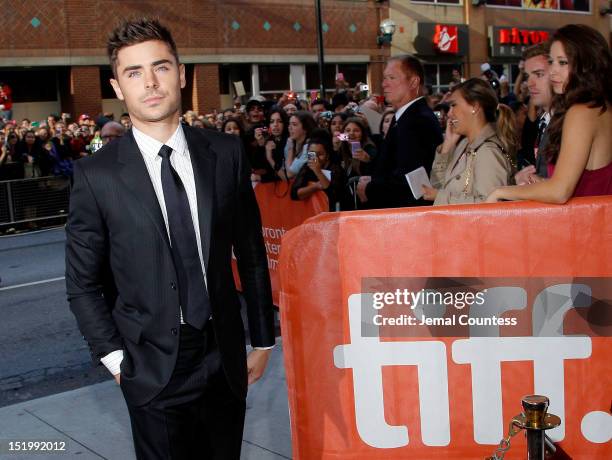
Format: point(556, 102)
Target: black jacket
point(410, 144)
point(120, 275)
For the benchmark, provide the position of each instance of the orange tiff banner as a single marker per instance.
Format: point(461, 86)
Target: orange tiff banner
point(371, 370)
point(279, 214)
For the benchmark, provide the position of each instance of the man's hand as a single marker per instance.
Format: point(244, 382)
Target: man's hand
point(117, 378)
point(361, 188)
point(527, 175)
point(257, 360)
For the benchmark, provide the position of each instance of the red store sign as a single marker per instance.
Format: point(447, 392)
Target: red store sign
point(446, 39)
point(516, 36)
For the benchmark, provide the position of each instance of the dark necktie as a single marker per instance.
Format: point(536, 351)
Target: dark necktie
point(192, 287)
point(541, 128)
point(392, 125)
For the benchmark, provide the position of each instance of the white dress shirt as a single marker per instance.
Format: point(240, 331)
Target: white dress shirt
point(181, 162)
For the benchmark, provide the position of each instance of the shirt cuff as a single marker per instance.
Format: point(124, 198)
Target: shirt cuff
point(263, 348)
point(112, 361)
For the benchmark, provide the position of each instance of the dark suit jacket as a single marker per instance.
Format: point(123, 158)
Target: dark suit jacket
point(120, 276)
point(410, 144)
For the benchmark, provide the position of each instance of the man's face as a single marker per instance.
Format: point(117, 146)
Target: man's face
point(149, 80)
point(256, 114)
point(318, 108)
point(398, 88)
point(538, 80)
point(110, 133)
point(290, 109)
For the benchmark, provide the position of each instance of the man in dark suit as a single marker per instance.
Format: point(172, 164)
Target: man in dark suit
point(411, 140)
point(153, 219)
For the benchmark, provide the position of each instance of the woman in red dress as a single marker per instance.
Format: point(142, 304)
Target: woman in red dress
point(579, 151)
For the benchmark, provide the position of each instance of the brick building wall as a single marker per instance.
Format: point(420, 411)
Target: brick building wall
point(205, 87)
point(78, 28)
point(72, 33)
point(85, 90)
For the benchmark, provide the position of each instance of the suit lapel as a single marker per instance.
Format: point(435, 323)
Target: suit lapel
point(136, 178)
point(203, 161)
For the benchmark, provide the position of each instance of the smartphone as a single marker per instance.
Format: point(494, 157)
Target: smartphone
point(355, 146)
point(312, 155)
point(340, 76)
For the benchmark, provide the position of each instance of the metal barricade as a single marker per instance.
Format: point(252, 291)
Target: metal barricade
point(31, 200)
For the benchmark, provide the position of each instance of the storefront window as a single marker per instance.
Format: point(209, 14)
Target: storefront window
point(353, 73)
point(312, 76)
point(555, 5)
point(230, 73)
point(439, 76)
point(512, 3)
point(509, 71)
point(32, 85)
point(447, 2)
point(574, 5)
point(273, 77)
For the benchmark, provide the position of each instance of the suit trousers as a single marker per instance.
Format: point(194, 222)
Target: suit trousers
point(196, 416)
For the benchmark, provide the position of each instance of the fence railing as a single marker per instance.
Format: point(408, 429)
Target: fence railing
point(31, 200)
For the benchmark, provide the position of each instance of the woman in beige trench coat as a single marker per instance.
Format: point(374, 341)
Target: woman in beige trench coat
point(478, 150)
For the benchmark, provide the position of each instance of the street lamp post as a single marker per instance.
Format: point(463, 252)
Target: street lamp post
point(320, 49)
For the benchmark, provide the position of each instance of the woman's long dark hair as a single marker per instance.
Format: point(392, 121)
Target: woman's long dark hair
point(308, 124)
point(285, 120)
point(589, 80)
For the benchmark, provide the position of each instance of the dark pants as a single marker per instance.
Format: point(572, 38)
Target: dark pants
point(196, 416)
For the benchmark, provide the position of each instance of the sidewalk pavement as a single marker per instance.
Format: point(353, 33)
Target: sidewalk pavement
point(94, 422)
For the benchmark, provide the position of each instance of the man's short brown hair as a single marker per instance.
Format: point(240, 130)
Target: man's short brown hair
point(541, 49)
point(410, 66)
point(134, 31)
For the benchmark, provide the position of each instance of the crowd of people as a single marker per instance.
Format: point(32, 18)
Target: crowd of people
point(477, 142)
point(30, 149)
